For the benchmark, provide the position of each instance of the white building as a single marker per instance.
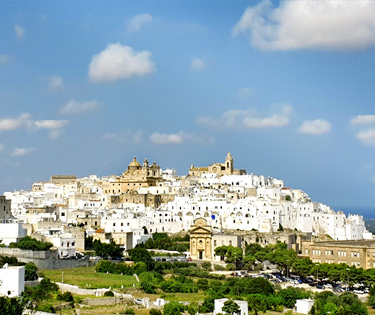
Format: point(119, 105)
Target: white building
point(12, 280)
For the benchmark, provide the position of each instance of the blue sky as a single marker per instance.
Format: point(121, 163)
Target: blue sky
point(287, 87)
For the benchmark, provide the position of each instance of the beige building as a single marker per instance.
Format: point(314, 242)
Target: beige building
point(134, 177)
point(226, 168)
point(203, 241)
point(353, 253)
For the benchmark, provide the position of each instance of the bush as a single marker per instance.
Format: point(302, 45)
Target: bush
point(31, 272)
point(207, 265)
point(48, 308)
point(30, 243)
point(129, 311)
point(219, 267)
point(66, 296)
point(109, 293)
point(230, 267)
point(154, 311)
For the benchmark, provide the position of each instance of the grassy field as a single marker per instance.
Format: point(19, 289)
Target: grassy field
point(86, 277)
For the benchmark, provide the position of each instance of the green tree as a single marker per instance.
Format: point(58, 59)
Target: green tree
point(303, 267)
point(253, 248)
point(231, 307)
point(29, 243)
point(173, 308)
point(31, 272)
point(257, 303)
point(10, 306)
point(193, 308)
point(139, 253)
point(221, 251)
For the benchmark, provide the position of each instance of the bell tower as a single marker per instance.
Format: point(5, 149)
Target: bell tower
point(229, 163)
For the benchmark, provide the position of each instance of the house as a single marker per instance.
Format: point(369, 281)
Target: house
point(219, 303)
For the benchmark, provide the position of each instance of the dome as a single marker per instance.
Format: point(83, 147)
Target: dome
point(134, 163)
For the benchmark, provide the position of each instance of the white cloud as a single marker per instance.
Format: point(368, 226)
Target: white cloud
point(50, 124)
point(20, 31)
point(1, 147)
point(73, 107)
point(56, 83)
point(176, 138)
point(22, 151)
point(248, 119)
point(197, 64)
point(4, 59)
point(315, 127)
point(10, 124)
point(363, 120)
point(367, 137)
point(137, 21)
point(117, 62)
point(325, 24)
point(24, 121)
point(55, 127)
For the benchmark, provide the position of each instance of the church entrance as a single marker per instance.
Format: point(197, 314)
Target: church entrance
point(200, 255)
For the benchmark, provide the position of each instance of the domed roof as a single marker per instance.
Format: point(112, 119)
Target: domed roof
point(134, 162)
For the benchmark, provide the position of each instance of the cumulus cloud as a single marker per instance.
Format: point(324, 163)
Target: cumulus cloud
point(367, 137)
point(56, 83)
point(20, 31)
point(248, 119)
point(197, 64)
point(4, 59)
point(128, 136)
point(55, 127)
point(176, 138)
point(315, 127)
point(22, 151)
point(324, 24)
point(10, 124)
point(137, 21)
point(363, 120)
point(73, 107)
point(118, 62)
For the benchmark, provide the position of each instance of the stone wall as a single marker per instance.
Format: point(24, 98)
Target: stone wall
point(51, 263)
point(108, 301)
point(16, 252)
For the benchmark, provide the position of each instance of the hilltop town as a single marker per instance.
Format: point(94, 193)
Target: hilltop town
point(127, 208)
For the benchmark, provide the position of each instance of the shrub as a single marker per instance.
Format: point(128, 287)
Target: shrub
point(207, 265)
point(48, 308)
point(219, 267)
point(129, 311)
point(109, 293)
point(230, 267)
point(154, 311)
point(66, 296)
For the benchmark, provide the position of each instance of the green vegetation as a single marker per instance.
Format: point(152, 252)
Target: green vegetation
point(11, 306)
point(163, 241)
point(83, 276)
point(30, 268)
point(106, 251)
point(29, 243)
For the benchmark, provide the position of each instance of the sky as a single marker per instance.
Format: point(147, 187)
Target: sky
point(288, 87)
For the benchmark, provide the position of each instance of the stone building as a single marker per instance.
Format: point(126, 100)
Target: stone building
point(353, 253)
point(5, 209)
point(226, 168)
point(203, 241)
point(134, 177)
